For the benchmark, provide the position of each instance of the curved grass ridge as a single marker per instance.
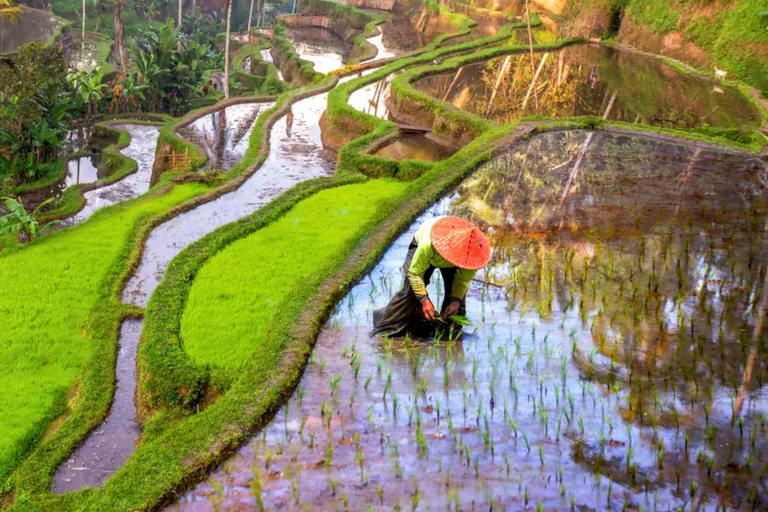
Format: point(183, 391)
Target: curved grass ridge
point(179, 458)
point(369, 132)
point(30, 483)
point(182, 450)
point(269, 83)
point(451, 123)
point(349, 16)
point(73, 198)
point(297, 71)
point(90, 404)
point(95, 257)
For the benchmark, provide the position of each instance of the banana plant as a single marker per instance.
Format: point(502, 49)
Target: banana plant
point(17, 220)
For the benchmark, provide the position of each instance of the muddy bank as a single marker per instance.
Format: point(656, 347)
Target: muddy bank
point(592, 80)
point(417, 147)
point(510, 417)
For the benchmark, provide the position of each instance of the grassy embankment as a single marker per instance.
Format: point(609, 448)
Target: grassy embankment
point(296, 71)
point(732, 34)
point(349, 23)
point(60, 313)
point(262, 78)
point(83, 413)
point(457, 126)
point(33, 477)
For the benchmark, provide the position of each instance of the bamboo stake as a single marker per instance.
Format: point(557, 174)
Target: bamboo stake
point(533, 82)
point(499, 78)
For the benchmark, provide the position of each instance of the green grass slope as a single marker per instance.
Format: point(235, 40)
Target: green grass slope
point(50, 289)
point(234, 296)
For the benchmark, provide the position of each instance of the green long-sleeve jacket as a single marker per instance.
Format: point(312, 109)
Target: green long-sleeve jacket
point(425, 256)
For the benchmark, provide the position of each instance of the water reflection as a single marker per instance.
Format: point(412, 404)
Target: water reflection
point(326, 51)
point(592, 80)
point(612, 334)
point(224, 134)
point(82, 170)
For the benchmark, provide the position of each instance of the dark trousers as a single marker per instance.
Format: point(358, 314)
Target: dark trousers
point(403, 313)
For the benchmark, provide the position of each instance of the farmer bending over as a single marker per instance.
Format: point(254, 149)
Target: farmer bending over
point(455, 246)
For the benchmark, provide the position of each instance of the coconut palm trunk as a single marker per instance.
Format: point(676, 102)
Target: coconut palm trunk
point(119, 38)
point(226, 49)
point(250, 19)
point(99, 10)
point(82, 42)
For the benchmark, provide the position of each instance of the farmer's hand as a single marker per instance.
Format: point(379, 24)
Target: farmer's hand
point(452, 309)
point(428, 310)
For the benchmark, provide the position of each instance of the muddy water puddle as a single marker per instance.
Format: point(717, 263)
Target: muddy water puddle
point(417, 147)
point(142, 150)
point(224, 134)
point(605, 368)
point(592, 80)
point(326, 51)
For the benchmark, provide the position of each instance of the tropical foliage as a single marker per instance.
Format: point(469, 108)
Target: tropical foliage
point(9, 10)
point(35, 98)
point(17, 220)
point(169, 67)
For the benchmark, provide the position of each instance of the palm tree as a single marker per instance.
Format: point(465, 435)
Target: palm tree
point(250, 19)
point(82, 42)
point(119, 39)
point(226, 48)
point(9, 10)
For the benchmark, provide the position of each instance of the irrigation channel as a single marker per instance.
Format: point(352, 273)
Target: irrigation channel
point(296, 154)
point(605, 368)
point(142, 150)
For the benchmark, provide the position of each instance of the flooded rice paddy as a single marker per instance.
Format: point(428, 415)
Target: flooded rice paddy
point(224, 134)
point(296, 154)
point(142, 150)
point(615, 362)
point(82, 170)
point(326, 51)
point(592, 80)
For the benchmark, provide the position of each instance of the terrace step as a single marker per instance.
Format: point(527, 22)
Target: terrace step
point(418, 130)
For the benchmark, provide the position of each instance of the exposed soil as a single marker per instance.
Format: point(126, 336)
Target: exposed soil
point(417, 147)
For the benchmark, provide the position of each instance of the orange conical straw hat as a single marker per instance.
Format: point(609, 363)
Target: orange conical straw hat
point(461, 243)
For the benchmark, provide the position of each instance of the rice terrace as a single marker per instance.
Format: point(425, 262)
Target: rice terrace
point(384, 255)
